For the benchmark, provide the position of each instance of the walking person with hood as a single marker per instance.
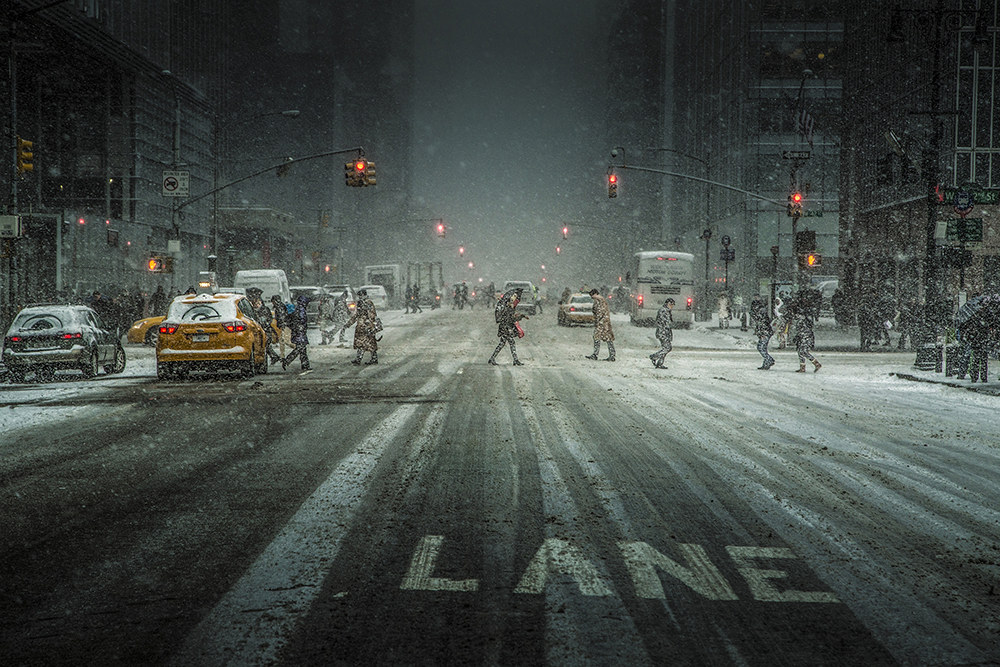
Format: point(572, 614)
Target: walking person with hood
point(602, 326)
point(281, 321)
point(763, 330)
point(368, 324)
point(265, 319)
point(337, 314)
point(507, 318)
point(804, 338)
point(298, 322)
point(664, 333)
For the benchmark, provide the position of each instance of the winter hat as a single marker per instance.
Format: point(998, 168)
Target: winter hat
point(594, 291)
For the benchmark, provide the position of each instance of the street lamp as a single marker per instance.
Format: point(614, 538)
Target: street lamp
point(706, 235)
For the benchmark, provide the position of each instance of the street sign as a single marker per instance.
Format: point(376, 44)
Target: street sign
point(983, 197)
point(795, 155)
point(10, 227)
point(176, 183)
point(965, 231)
point(812, 214)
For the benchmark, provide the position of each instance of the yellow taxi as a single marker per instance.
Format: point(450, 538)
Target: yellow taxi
point(145, 330)
point(210, 332)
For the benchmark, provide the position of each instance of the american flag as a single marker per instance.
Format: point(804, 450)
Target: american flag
point(805, 123)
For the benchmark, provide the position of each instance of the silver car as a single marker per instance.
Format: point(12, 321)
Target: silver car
point(49, 338)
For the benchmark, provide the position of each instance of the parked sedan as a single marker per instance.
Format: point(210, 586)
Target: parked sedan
point(579, 309)
point(49, 338)
point(210, 332)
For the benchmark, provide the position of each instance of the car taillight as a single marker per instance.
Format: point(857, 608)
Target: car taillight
point(14, 339)
point(572, 309)
point(639, 299)
point(689, 302)
point(234, 326)
point(168, 328)
point(73, 335)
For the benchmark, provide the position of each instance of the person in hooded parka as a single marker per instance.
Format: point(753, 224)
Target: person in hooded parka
point(298, 322)
point(602, 326)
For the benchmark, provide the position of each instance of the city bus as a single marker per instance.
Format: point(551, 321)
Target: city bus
point(656, 275)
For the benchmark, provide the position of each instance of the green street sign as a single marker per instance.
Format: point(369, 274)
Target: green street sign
point(812, 214)
point(983, 197)
point(965, 231)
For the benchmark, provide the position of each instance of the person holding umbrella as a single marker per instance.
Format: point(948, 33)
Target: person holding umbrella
point(507, 318)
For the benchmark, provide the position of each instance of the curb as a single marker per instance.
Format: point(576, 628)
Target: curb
point(990, 391)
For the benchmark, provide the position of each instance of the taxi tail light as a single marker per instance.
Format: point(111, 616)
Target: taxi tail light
point(233, 327)
point(572, 309)
point(168, 328)
point(14, 339)
point(639, 299)
point(689, 302)
point(73, 335)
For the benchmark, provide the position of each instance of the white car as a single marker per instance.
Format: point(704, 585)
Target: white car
point(336, 290)
point(378, 296)
point(527, 303)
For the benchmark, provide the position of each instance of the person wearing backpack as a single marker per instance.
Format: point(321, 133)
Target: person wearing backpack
point(298, 322)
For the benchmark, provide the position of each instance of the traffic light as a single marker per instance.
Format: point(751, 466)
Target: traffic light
point(354, 173)
point(24, 156)
point(565, 232)
point(795, 204)
point(370, 173)
point(612, 185)
point(159, 264)
point(461, 250)
point(810, 260)
point(440, 229)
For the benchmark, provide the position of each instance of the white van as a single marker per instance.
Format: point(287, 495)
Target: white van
point(270, 282)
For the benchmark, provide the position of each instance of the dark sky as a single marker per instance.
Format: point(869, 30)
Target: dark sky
point(508, 147)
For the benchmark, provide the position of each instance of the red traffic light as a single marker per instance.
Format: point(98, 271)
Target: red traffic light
point(797, 197)
point(359, 165)
point(612, 178)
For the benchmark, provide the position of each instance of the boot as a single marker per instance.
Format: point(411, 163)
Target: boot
point(591, 356)
point(373, 360)
point(802, 368)
point(817, 365)
point(357, 360)
point(492, 361)
point(517, 362)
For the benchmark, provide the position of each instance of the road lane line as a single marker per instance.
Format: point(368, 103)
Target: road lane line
point(252, 623)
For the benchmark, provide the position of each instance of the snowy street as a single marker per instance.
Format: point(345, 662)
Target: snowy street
point(433, 509)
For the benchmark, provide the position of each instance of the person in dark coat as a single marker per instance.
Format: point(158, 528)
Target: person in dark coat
point(409, 300)
point(804, 338)
point(265, 318)
point(664, 333)
point(602, 326)
point(368, 324)
point(507, 317)
point(298, 322)
point(763, 330)
point(415, 304)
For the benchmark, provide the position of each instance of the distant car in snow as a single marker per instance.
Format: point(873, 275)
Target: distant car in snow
point(378, 296)
point(578, 309)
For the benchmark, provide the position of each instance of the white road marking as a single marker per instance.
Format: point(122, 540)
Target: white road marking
point(758, 579)
point(418, 577)
point(253, 621)
point(644, 562)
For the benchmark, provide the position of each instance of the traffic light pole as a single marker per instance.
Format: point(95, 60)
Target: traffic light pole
point(287, 163)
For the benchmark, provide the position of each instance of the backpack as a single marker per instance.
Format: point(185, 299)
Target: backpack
point(289, 308)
